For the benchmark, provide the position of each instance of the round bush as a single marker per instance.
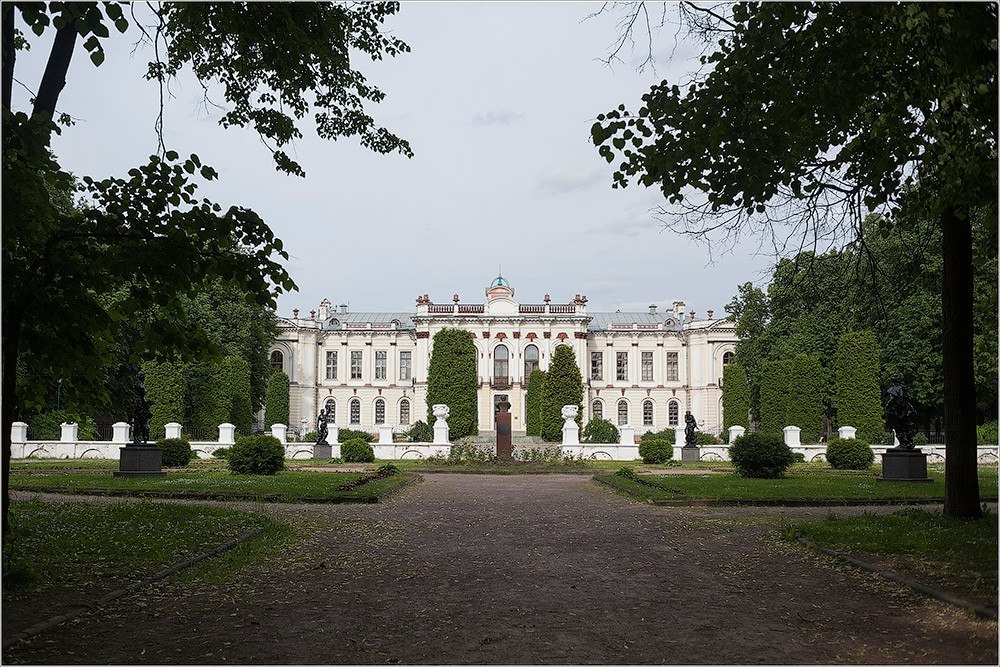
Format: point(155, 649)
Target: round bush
point(357, 450)
point(666, 435)
point(221, 453)
point(420, 432)
point(347, 434)
point(176, 452)
point(656, 451)
point(760, 455)
point(256, 455)
point(600, 431)
point(705, 439)
point(849, 454)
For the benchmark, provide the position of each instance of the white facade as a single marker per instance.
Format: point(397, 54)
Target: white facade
point(642, 370)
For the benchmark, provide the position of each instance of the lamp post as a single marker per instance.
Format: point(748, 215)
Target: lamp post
point(58, 394)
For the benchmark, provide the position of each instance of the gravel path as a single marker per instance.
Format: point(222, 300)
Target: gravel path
point(528, 569)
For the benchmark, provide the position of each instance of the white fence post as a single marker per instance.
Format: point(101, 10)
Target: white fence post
point(280, 431)
point(792, 436)
point(441, 433)
point(384, 434)
point(847, 433)
point(120, 432)
point(68, 432)
point(19, 433)
point(172, 430)
point(626, 436)
point(227, 434)
point(735, 432)
point(679, 436)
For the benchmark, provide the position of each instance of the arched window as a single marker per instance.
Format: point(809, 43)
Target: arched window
point(331, 409)
point(530, 360)
point(379, 411)
point(623, 412)
point(355, 411)
point(278, 360)
point(673, 413)
point(727, 359)
point(598, 409)
point(647, 412)
point(404, 412)
point(501, 364)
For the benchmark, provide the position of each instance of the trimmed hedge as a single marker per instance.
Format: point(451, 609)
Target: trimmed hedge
point(165, 386)
point(256, 455)
point(176, 452)
point(533, 402)
point(452, 380)
point(667, 435)
point(735, 398)
point(986, 434)
point(791, 394)
point(276, 399)
point(760, 455)
point(236, 378)
point(849, 454)
point(856, 369)
point(600, 431)
point(346, 434)
point(207, 401)
point(48, 425)
point(357, 450)
point(656, 451)
point(563, 386)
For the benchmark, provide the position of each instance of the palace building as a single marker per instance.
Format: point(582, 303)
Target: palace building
point(642, 370)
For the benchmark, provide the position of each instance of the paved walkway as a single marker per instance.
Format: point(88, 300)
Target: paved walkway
point(528, 569)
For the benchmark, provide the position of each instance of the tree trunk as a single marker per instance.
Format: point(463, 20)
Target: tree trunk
point(8, 55)
point(11, 340)
point(961, 480)
point(54, 78)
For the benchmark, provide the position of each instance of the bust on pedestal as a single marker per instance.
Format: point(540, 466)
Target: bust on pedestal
point(139, 458)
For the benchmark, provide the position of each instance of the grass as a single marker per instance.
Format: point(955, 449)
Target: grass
point(805, 482)
point(74, 545)
point(286, 486)
point(938, 551)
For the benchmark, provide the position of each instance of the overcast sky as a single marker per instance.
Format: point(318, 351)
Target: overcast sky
point(497, 101)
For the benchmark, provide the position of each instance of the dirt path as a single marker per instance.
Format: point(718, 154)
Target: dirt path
point(527, 569)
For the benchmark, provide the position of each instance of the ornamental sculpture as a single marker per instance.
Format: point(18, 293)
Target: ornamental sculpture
point(690, 440)
point(141, 412)
point(900, 416)
point(569, 412)
point(321, 429)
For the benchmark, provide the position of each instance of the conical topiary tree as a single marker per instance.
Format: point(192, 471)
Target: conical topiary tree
point(276, 400)
point(563, 386)
point(856, 371)
point(452, 380)
point(533, 403)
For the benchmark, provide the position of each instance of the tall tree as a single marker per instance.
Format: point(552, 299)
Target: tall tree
point(452, 380)
point(563, 386)
point(804, 118)
point(276, 65)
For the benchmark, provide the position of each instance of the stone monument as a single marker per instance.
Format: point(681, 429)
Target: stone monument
point(690, 451)
point(322, 449)
point(139, 458)
point(505, 448)
point(903, 463)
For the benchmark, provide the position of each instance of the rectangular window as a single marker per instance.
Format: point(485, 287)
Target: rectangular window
point(596, 365)
point(622, 365)
point(647, 366)
point(671, 367)
point(356, 364)
point(405, 363)
point(380, 356)
point(331, 365)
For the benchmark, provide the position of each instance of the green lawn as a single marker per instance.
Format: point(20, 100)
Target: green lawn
point(75, 544)
point(947, 554)
point(803, 483)
point(286, 486)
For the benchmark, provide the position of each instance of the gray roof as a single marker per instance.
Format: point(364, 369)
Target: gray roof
point(361, 320)
point(609, 321)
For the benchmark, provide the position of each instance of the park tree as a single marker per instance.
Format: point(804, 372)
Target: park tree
point(275, 65)
point(735, 397)
point(452, 380)
point(859, 396)
point(804, 119)
point(563, 386)
point(533, 402)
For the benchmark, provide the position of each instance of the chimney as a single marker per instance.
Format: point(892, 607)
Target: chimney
point(692, 315)
point(295, 313)
point(312, 314)
point(547, 298)
point(679, 310)
point(454, 298)
point(710, 314)
point(652, 309)
point(343, 308)
point(324, 309)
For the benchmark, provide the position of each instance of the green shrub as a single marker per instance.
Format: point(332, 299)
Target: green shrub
point(276, 399)
point(626, 471)
point(791, 394)
point(311, 436)
point(656, 451)
point(760, 455)
point(421, 431)
point(236, 376)
point(986, 434)
point(357, 450)
point(452, 380)
point(165, 386)
point(667, 435)
point(849, 454)
point(563, 386)
point(347, 434)
point(176, 452)
point(600, 431)
point(387, 470)
point(735, 397)
point(256, 455)
point(533, 402)
point(798, 457)
point(705, 439)
point(920, 439)
point(856, 372)
point(48, 425)
point(221, 453)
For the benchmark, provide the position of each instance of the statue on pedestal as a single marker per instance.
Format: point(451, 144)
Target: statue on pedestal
point(321, 428)
point(900, 416)
point(141, 412)
point(690, 440)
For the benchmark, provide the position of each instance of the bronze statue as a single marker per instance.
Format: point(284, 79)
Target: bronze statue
point(690, 440)
point(900, 416)
point(141, 413)
point(321, 429)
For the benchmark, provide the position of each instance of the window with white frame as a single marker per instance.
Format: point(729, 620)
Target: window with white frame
point(647, 412)
point(380, 357)
point(647, 366)
point(356, 364)
point(405, 365)
point(672, 367)
point(530, 361)
point(623, 412)
point(404, 412)
point(673, 413)
point(598, 409)
point(621, 365)
point(355, 411)
point(596, 365)
point(379, 411)
point(331, 365)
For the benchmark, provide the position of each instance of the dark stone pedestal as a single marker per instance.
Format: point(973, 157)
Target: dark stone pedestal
point(140, 461)
point(322, 450)
point(690, 453)
point(505, 448)
point(904, 466)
